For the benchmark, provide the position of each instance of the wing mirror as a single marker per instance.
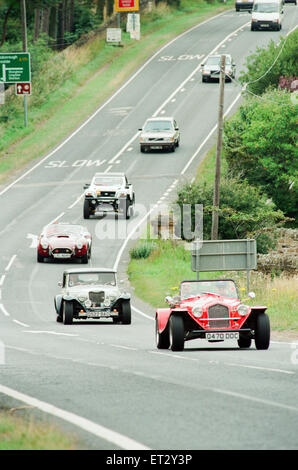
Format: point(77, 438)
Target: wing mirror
point(59, 284)
point(86, 186)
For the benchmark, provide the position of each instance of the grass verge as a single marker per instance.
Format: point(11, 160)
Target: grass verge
point(27, 433)
point(169, 263)
point(73, 84)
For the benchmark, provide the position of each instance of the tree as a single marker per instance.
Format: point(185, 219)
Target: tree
point(260, 146)
point(243, 211)
point(268, 64)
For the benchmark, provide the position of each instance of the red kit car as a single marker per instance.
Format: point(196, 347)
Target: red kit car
point(64, 241)
point(210, 310)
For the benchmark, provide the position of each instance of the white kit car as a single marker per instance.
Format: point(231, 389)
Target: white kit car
point(92, 293)
point(109, 192)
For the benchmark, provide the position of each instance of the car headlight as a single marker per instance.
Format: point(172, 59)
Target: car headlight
point(243, 310)
point(121, 194)
point(107, 302)
point(88, 303)
point(45, 245)
point(79, 245)
point(82, 298)
point(197, 311)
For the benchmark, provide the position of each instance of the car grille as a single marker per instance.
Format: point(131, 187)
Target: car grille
point(107, 193)
point(157, 139)
point(218, 311)
point(62, 251)
point(97, 298)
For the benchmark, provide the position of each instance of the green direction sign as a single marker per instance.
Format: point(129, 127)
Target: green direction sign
point(15, 67)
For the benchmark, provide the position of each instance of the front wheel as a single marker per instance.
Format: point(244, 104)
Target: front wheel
point(176, 330)
point(162, 339)
point(86, 211)
point(126, 312)
point(67, 314)
point(262, 331)
point(244, 342)
point(40, 258)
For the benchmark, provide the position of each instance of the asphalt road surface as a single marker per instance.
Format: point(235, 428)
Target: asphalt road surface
point(109, 380)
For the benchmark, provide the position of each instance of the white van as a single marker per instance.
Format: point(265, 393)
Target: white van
point(267, 14)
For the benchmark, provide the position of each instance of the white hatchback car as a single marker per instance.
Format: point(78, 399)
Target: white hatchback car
point(160, 133)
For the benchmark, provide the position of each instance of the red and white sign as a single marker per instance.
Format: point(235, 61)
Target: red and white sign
point(23, 88)
point(126, 5)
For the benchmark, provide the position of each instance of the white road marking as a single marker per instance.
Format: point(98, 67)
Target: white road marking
point(2, 278)
point(142, 313)
point(124, 347)
point(4, 311)
point(100, 431)
point(255, 399)
point(76, 201)
point(10, 263)
point(282, 371)
point(50, 332)
point(20, 323)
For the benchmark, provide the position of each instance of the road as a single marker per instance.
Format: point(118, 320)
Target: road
point(110, 380)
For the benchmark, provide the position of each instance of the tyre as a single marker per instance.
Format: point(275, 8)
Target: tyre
point(178, 143)
point(173, 147)
point(40, 258)
point(86, 211)
point(67, 313)
point(125, 208)
point(244, 342)
point(176, 333)
point(59, 319)
point(162, 339)
point(126, 312)
point(85, 258)
point(262, 331)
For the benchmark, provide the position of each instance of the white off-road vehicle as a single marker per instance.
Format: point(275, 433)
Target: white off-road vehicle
point(109, 192)
point(92, 293)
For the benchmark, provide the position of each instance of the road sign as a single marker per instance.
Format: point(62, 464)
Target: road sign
point(113, 35)
point(224, 255)
point(15, 67)
point(126, 5)
point(23, 89)
point(133, 22)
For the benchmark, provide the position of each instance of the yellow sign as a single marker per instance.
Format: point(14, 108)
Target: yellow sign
point(126, 5)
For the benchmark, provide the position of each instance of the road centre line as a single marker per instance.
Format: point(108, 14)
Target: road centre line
point(20, 323)
point(261, 368)
point(2, 278)
point(10, 263)
point(100, 431)
point(108, 101)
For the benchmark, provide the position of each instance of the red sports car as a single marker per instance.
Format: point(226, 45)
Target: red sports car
point(64, 241)
point(210, 310)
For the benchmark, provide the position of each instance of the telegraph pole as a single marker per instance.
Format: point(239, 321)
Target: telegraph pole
point(24, 41)
point(214, 230)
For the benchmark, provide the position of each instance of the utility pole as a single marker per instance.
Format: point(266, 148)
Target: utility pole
point(214, 230)
point(24, 41)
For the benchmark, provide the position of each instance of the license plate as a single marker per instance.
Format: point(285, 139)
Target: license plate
point(217, 336)
point(156, 147)
point(61, 255)
point(99, 314)
point(264, 25)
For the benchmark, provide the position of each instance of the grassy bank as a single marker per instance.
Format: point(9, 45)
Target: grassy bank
point(25, 433)
point(169, 263)
point(72, 84)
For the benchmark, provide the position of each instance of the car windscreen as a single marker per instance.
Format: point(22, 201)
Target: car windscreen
point(158, 126)
point(62, 230)
point(93, 278)
point(266, 7)
point(224, 288)
point(216, 60)
point(104, 181)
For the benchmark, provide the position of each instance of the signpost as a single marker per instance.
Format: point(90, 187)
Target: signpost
point(15, 67)
point(113, 35)
point(126, 5)
point(23, 89)
point(224, 255)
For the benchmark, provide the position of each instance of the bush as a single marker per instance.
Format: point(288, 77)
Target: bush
point(260, 146)
point(243, 209)
point(143, 250)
